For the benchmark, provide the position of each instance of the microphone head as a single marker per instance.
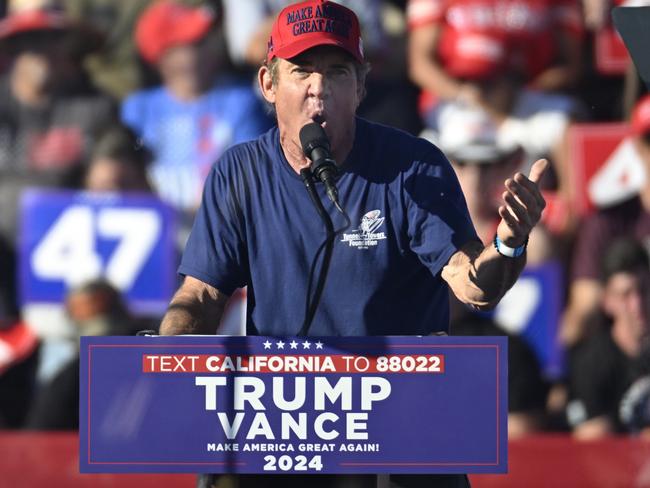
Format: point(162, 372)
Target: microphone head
point(312, 135)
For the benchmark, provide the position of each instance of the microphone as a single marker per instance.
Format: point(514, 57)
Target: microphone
point(316, 147)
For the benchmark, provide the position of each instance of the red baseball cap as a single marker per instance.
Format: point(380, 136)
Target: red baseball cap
point(166, 24)
point(304, 25)
point(641, 117)
point(33, 20)
point(21, 24)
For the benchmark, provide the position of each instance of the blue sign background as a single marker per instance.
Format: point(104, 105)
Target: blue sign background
point(542, 330)
point(543, 304)
point(451, 422)
point(155, 282)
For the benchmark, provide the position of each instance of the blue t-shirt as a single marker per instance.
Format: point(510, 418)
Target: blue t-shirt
point(188, 137)
point(257, 227)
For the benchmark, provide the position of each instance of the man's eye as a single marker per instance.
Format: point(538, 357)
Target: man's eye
point(340, 72)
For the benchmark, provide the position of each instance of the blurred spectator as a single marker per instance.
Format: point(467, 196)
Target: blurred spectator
point(455, 44)
point(199, 111)
point(49, 113)
point(115, 68)
point(118, 163)
point(507, 57)
point(97, 309)
point(596, 233)
point(617, 352)
point(482, 160)
point(390, 97)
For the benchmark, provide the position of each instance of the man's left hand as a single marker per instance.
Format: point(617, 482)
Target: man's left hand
point(522, 207)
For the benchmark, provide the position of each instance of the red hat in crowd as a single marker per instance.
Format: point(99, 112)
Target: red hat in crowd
point(167, 24)
point(304, 25)
point(641, 117)
point(27, 18)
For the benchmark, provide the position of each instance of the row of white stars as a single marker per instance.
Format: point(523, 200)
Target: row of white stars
point(292, 344)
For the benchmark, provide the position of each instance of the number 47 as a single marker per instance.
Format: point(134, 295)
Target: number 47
point(68, 251)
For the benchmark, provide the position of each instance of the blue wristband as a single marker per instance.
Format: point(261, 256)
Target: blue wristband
point(509, 252)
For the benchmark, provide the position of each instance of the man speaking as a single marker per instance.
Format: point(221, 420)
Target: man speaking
point(266, 215)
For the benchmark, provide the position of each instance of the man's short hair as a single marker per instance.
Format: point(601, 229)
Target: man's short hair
point(121, 143)
point(625, 255)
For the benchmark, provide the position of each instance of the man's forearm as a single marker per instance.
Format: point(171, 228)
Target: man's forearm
point(183, 318)
point(479, 276)
point(196, 308)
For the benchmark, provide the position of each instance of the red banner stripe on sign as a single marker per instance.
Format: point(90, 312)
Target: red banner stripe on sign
point(298, 363)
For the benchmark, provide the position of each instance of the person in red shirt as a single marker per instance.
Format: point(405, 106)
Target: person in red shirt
point(507, 57)
point(457, 44)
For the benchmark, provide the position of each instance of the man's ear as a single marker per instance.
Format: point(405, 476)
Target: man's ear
point(361, 93)
point(265, 81)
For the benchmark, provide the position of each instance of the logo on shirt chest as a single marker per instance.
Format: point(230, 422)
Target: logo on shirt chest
point(368, 233)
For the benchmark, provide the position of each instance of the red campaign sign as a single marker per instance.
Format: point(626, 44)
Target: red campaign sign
point(611, 54)
point(605, 167)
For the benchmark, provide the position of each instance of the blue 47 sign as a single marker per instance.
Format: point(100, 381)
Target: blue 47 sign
point(68, 237)
point(294, 405)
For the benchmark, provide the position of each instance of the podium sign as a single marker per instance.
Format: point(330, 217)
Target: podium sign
point(225, 404)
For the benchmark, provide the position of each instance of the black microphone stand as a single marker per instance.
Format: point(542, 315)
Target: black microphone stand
point(328, 245)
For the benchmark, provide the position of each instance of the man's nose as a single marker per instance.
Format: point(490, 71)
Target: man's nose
point(318, 85)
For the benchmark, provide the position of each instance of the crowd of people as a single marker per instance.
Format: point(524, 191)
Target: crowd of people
point(145, 96)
